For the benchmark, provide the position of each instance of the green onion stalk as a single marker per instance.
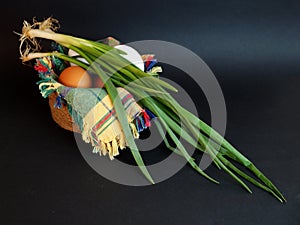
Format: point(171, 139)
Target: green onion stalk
point(153, 93)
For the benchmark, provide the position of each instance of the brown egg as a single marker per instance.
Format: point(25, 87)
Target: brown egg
point(97, 82)
point(75, 76)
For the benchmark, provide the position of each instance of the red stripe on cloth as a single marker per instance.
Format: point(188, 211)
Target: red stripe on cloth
point(104, 119)
point(101, 122)
point(128, 96)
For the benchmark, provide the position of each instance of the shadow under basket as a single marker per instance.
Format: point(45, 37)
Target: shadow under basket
point(62, 116)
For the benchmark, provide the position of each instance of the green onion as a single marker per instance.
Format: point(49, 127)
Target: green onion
point(172, 116)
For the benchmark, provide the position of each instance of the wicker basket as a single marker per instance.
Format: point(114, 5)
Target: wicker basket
point(62, 116)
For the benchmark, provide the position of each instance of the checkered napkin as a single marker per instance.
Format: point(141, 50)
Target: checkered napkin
point(93, 111)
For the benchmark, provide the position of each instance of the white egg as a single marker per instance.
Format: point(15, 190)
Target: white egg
point(73, 53)
point(132, 56)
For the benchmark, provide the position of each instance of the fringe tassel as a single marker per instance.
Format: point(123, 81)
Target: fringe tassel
point(109, 149)
point(122, 142)
point(143, 121)
point(150, 114)
point(151, 64)
point(103, 148)
point(112, 148)
point(85, 134)
point(96, 150)
point(46, 87)
point(146, 119)
point(115, 147)
point(138, 124)
point(58, 102)
point(134, 130)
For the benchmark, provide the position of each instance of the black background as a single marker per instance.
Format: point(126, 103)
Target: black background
point(253, 48)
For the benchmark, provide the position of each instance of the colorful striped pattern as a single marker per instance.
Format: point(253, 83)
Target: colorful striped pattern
point(102, 128)
point(93, 111)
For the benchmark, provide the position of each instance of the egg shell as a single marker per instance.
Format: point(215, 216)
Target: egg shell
point(132, 56)
point(75, 76)
point(97, 82)
point(72, 54)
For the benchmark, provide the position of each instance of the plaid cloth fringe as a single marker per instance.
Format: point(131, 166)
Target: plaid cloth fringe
point(93, 111)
